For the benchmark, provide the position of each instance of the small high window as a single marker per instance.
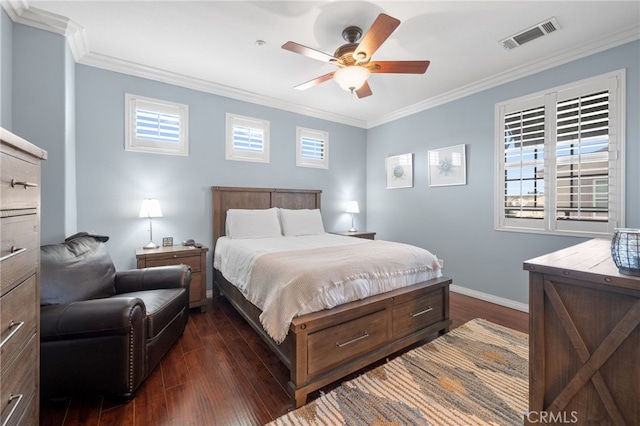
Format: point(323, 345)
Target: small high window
point(156, 126)
point(247, 139)
point(312, 148)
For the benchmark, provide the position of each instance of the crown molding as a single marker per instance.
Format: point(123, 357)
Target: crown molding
point(151, 73)
point(20, 12)
point(613, 40)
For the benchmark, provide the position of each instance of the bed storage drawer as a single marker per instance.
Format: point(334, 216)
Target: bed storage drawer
point(334, 345)
point(418, 313)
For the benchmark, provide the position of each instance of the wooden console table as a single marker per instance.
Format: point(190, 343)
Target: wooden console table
point(584, 338)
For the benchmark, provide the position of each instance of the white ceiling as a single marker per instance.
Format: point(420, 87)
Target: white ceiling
point(210, 45)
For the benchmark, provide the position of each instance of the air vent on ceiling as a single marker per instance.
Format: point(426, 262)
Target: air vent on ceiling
point(538, 30)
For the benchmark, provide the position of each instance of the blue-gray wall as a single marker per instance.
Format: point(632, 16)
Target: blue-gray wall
point(43, 109)
point(6, 39)
point(457, 222)
point(112, 182)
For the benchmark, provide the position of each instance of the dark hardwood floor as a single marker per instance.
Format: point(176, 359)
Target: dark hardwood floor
point(221, 373)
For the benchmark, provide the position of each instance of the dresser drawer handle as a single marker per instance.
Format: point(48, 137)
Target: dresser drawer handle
point(341, 345)
point(24, 183)
point(13, 409)
point(13, 252)
point(417, 314)
point(12, 324)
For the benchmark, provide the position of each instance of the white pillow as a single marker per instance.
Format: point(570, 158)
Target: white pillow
point(262, 223)
point(301, 222)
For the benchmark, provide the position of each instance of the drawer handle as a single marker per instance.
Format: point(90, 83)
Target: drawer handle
point(13, 409)
point(12, 324)
point(417, 314)
point(341, 345)
point(13, 252)
point(24, 183)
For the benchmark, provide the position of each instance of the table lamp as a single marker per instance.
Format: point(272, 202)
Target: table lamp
point(352, 207)
point(150, 209)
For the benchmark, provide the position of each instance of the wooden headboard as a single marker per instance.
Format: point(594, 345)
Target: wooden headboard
point(230, 197)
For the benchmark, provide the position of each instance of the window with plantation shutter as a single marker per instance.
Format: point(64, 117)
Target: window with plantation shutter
point(156, 126)
point(312, 148)
point(247, 139)
point(560, 155)
point(582, 153)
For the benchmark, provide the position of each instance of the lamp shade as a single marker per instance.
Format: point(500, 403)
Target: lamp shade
point(150, 208)
point(625, 250)
point(352, 207)
point(351, 78)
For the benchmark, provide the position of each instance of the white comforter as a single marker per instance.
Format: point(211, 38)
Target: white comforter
point(294, 283)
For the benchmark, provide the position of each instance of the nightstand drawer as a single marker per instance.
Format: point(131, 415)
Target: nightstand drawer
point(192, 261)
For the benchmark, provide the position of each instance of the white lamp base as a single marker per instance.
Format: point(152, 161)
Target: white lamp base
point(353, 230)
point(151, 245)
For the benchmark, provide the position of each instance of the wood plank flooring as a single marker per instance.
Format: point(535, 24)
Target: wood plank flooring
point(221, 373)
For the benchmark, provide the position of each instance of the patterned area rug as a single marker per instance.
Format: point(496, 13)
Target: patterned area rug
point(476, 374)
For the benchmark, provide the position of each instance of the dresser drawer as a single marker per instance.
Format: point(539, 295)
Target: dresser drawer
point(176, 259)
point(335, 345)
point(21, 173)
point(18, 385)
point(19, 249)
point(418, 313)
point(17, 319)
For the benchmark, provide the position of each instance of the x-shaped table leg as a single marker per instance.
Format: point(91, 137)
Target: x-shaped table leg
point(591, 363)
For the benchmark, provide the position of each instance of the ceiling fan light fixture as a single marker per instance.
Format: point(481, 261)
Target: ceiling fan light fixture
point(351, 78)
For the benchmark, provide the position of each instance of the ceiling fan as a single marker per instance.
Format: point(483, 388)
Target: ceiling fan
point(354, 58)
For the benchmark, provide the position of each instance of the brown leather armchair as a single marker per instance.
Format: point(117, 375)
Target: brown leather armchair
point(102, 331)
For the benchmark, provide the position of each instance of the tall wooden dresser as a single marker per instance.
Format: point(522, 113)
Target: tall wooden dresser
point(584, 339)
point(20, 280)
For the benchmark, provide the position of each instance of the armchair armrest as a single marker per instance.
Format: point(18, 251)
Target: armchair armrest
point(173, 276)
point(91, 318)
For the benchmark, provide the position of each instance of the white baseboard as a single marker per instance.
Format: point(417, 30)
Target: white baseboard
point(490, 298)
point(472, 293)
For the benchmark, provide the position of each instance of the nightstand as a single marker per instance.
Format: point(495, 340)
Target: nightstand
point(358, 234)
point(194, 257)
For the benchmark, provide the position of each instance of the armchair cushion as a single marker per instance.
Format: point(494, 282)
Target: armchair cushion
point(78, 269)
point(162, 306)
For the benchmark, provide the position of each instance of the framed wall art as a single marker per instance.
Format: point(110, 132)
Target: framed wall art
point(399, 171)
point(448, 166)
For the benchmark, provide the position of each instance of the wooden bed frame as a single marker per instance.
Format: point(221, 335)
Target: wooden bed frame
point(325, 346)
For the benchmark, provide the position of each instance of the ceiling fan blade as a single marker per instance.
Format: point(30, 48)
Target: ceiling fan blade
point(364, 91)
point(315, 81)
point(399, 67)
point(307, 51)
point(381, 29)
